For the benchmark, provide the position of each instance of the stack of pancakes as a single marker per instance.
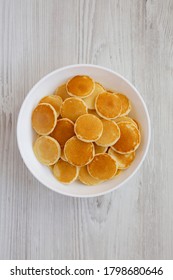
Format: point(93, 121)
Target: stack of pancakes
point(84, 132)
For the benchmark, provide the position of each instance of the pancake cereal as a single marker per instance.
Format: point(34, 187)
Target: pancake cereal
point(84, 132)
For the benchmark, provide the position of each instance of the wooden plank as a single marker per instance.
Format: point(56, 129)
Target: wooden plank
point(133, 38)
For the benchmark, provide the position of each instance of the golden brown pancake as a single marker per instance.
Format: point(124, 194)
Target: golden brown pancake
point(123, 160)
point(62, 92)
point(129, 139)
point(77, 152)
point(47, 150)
point(102, 167)
point(126, 106)
point(65, 172)
point(90, 100)
point(44, 119)
point(110, 134)
point(86, 178)
point(80, 86)
point(63, 131)
point(126, 119)
point(88, 128)
point(72, 108)
point(99, 149)
point(54, 100)
point(108, 105)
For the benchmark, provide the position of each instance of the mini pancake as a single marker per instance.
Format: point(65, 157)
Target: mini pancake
point(108, 105)
point(126, 106)
point(86, 178)
point(72, 108)
point(65, 172)
point(47, 150)
point(63, 131)
point(80, 86)
point(99, 149)
point(62, 92)
point(88, 128)
point(90, 100)
point(77, 152)
point(102, 167)
point(110, 135)
point(44, 118)
point(54, 100)
point(123, 160)
point(126, 119)
point(129, 139)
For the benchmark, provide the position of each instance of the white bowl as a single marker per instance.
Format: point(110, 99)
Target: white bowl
point(109, 79)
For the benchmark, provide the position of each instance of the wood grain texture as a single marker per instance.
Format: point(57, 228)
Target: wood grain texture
point(132, 37)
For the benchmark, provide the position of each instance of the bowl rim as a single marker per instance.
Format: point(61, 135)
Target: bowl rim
point(91, 66)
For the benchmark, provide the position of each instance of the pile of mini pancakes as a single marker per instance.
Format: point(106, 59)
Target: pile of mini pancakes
point(84, 132)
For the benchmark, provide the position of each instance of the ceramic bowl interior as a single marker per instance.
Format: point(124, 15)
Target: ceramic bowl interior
point(47, 85)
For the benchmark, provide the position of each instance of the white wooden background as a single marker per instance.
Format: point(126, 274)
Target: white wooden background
point(132, 37)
